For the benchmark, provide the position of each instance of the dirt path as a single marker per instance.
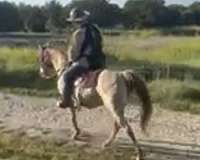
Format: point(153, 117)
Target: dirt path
point(178, 133)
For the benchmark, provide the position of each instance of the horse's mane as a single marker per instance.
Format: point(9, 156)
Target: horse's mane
point(58, 46)
point(59, 51)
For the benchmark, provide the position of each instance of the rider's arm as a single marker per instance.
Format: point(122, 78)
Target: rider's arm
point(77, 41)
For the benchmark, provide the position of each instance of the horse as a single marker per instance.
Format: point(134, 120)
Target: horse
point(113, 89)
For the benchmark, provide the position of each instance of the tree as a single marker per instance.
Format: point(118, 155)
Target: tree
point(9, 17)
point(188, 17)
point(56, 17)
point(195, 10)
point(175, 14)
point(143, 13)
point(37, 20)
point(25, 12)
point(102, 12)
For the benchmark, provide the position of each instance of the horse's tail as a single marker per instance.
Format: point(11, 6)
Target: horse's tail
point(135, 83)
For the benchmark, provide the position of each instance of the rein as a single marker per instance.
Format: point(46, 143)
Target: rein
point(58, 73)
point(45, 58)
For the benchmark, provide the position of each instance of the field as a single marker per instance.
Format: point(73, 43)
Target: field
point(169, 63)
point(157, 49)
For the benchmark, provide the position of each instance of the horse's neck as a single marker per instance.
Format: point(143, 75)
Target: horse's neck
point(59, 61)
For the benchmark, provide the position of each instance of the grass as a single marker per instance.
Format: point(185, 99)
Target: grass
point(152, 49)
point(19, 68)
point(163, 50)
point(16, 147)
point(146, 51)
point(156, 56)
point(176, 95)
point(14, 59)
point(180, 56)
point(151, 54)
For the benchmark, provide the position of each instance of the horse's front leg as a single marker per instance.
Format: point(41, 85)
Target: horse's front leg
point(60, 103)
point(75, 124)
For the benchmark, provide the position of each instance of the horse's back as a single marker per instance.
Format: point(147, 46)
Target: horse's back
point(112, 87)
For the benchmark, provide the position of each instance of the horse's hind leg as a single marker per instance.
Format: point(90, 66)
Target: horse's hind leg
point(132, 136)
point(113, 135)
point(119, 121)
point(75, 124)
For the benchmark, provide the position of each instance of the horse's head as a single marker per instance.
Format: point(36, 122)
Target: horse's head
point(47, 69)
point(51, 61)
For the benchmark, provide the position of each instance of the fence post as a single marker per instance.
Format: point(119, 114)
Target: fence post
point(158, 74)
point(168, 72)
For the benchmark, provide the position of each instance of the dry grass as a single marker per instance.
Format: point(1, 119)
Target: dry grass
point(14, 147)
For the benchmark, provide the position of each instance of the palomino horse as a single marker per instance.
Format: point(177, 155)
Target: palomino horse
point(113, 90)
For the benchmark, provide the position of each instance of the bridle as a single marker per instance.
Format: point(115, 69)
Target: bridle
point(45, 60)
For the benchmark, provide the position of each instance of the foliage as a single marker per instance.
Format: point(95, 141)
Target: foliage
point(37, 20)
point(55, 14)
point(102, 12)
point(144, 12)
point(25, 12)
point(134, 14)
point(9, 17)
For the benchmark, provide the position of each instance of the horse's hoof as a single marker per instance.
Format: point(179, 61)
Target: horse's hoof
point(137, 157)
point(60, 104)
point(76, 136)
point(79, 109)
point(106, 145)
point(140, 155)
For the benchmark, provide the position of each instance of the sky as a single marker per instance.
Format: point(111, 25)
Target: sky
point(120, 2)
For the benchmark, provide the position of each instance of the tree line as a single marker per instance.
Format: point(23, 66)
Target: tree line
point(134, 14)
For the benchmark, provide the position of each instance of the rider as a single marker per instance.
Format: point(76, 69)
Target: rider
point(84, 54)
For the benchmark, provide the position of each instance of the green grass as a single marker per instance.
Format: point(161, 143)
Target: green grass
point(146, 51)
point(153, 49)
point(19, 68)
point(176, 95)
point(152, 55)
point(14, 59)
point(156, 49)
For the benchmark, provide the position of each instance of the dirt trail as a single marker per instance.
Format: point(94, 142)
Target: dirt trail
point(178, 133)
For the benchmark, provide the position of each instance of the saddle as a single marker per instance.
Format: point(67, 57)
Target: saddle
point(88, 80)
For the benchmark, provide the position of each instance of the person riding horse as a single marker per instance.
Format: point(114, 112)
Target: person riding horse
point(84, 54)
point(114, 90)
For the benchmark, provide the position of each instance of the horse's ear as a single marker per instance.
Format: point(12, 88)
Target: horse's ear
point(39, 48)
point(47, 45)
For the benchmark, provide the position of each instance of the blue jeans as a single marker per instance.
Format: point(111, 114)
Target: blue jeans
point(70, 75)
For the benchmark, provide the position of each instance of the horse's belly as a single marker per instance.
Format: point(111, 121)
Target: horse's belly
point(89, 98)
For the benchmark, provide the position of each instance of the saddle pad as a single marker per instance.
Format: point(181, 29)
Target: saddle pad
point(88, 80)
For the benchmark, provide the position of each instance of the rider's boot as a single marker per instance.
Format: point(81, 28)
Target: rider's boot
point(64, 103)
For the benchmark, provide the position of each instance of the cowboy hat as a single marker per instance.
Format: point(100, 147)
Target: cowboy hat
point(77, 15)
